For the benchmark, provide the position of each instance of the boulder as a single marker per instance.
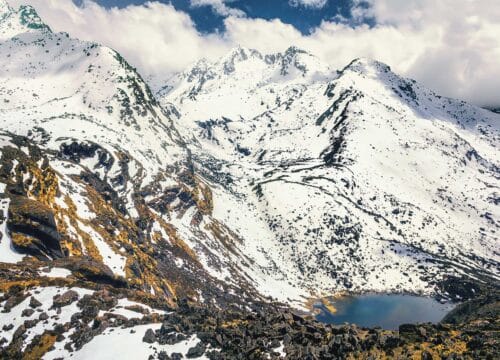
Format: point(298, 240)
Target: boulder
point(65, 299)
point(149, 336)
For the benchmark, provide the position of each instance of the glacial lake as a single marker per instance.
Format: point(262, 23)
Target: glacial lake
point(386, 311)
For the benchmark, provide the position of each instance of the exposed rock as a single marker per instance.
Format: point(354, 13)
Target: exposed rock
point(149, 336)
point(27, 312)
point(94, 271)
point(13, 301)
point(426, 355)
point(65, 299)
point(33, 227)
point(34, 303)
point(196, 351)
point(7, 327)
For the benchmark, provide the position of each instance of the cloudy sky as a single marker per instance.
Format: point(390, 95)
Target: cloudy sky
point(452, 46)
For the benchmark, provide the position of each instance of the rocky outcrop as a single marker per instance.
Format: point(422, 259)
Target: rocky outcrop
point(93, 271)
point(269, 331)
point(33, 228)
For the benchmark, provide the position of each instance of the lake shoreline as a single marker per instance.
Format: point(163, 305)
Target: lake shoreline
point(387, 311)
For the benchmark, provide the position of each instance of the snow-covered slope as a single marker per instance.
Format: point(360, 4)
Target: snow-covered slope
point(355, 180)
point(73, 87)
point(257, 175)
point(97, 187)
point(305, 181)
point(87, 145)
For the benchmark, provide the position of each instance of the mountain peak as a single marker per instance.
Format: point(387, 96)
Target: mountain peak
point(24, 19)
point(238, 54)
point(366, 66)
point(5, 9)
point(293, 50)
point(240, 51)
point(29, 18)
point(248, 67)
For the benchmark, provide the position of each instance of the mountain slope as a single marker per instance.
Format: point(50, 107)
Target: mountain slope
point(93, 169)
point(119, 238)
point(357, 180)
point(99, 204)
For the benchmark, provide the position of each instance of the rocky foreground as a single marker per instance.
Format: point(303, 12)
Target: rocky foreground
point(84, 310)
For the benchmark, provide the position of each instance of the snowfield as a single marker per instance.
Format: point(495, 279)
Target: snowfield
point(355, 180)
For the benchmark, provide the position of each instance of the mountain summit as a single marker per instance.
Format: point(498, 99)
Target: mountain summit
point(355, 180)
point(5, 8)
point(24, 20)
point(200, 222)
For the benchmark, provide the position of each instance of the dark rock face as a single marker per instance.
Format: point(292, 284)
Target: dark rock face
point(485, 306)
point(27, 312)
point(7, 327)
point(76, 151)
point(459, 288)
point(196, 351)
point(14, 300)
point(91, 270)
point(36, 228)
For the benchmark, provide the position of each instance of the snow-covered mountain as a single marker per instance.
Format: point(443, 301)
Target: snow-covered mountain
point(98, 199)
point(252, 178)
point(99, 124)
point(116, 181)
point(353, 180)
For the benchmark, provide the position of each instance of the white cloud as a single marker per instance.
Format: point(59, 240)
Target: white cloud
point(155, 37)
point(315, 4)
point(219, 6)
point(451, 46)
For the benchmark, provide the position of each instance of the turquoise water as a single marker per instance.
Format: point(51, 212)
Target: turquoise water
point(386, 311)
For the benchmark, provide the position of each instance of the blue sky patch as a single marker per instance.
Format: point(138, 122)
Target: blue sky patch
point(207, 20)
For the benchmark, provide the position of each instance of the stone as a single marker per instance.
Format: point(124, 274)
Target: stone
point(149, 336)
point(27, 312)
point(196, 351)
point(8, 327)
point(13, 301)
point(34, 303)
point(65, 299)
point(426, 355)
point(162, 355)
point(33, 228)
